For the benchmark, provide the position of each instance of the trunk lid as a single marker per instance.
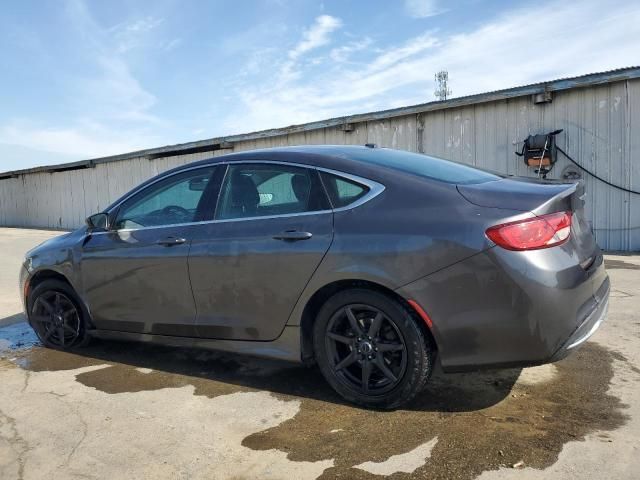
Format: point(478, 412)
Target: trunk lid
point(515, 193)
point(540, 197)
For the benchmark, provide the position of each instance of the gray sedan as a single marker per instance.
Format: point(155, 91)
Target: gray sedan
point(370, 262)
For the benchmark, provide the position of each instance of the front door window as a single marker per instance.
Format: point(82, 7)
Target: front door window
point(172, 201)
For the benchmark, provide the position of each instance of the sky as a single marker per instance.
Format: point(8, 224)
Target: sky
point(85, 79)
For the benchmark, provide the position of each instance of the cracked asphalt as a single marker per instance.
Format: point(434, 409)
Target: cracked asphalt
point(116, 410)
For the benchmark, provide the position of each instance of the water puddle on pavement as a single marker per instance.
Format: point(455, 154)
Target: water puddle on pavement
point(17, 336)
point(611, 264)
point(481, 421)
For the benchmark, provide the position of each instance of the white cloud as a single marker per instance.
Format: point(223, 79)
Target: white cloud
point(169, 45)
point(393, 55)
point(317, 78)
point(317, 35)
point(111, 91)
point(342, 54)
point(17, 157)
point(288, 69)
point(133, 34)
point(572, 40)
point(83, 140)
point(422, 8)
point(116, 94)
point(112, 108)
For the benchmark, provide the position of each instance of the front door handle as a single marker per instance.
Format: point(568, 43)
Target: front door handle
point(293, 236)
point(171, 241)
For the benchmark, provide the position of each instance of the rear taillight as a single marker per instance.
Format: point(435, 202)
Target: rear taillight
point(532, 233)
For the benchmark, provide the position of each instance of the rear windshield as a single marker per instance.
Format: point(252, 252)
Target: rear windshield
point(430, 167)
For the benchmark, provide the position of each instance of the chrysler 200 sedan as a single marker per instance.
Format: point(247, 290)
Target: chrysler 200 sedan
point(369, 262)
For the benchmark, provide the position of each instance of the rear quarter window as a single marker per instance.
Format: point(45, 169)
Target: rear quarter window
point(342, 192)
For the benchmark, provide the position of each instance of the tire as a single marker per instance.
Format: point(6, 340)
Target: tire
point(397, 361)
point(57, 315)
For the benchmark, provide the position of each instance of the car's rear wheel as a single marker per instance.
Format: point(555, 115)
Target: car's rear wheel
point(56, 315)
point(371, 350)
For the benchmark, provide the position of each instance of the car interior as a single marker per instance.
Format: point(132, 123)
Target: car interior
point(257, 193)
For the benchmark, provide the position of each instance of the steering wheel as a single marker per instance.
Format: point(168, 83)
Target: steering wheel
point(176, 210)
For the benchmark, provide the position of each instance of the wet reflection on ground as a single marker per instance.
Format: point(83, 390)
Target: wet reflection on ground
point(481, 420)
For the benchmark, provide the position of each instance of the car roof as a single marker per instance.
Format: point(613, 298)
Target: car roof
point(342, 158)
point(313, 155)
point(367, 161)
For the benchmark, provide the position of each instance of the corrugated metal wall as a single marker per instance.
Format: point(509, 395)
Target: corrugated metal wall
point(601, 129)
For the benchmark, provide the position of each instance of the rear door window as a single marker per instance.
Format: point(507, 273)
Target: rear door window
point(259, 190)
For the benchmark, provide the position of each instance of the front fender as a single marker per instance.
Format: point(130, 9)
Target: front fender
point(59, 256)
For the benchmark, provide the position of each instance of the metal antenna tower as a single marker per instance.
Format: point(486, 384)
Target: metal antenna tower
point(442, 81)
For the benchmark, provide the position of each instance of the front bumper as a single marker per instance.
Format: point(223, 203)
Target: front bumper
point(23, 280)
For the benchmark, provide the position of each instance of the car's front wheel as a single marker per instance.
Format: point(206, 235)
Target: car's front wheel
point(371, 350)
point(56, 315)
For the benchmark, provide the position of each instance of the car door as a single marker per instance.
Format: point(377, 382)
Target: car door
point(273, 225)
point(135, 275)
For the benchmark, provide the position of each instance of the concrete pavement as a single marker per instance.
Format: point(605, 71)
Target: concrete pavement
point(118, 410)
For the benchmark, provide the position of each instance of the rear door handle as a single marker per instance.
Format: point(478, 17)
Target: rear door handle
point(292, 236)
point(171, 241)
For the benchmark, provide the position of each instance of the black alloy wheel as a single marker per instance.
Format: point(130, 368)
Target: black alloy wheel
point(371, 348)
point(366, 349)
point(55, 315)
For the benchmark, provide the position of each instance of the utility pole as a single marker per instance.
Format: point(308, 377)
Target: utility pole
point(442, 83)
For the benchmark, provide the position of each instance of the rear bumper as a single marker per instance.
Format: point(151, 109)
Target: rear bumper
point(588, 327)
point(508, 309)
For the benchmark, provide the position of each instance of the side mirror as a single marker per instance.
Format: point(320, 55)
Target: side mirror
point(97, 221)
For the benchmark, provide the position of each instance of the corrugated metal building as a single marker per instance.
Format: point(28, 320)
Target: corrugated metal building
point(600, 115)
